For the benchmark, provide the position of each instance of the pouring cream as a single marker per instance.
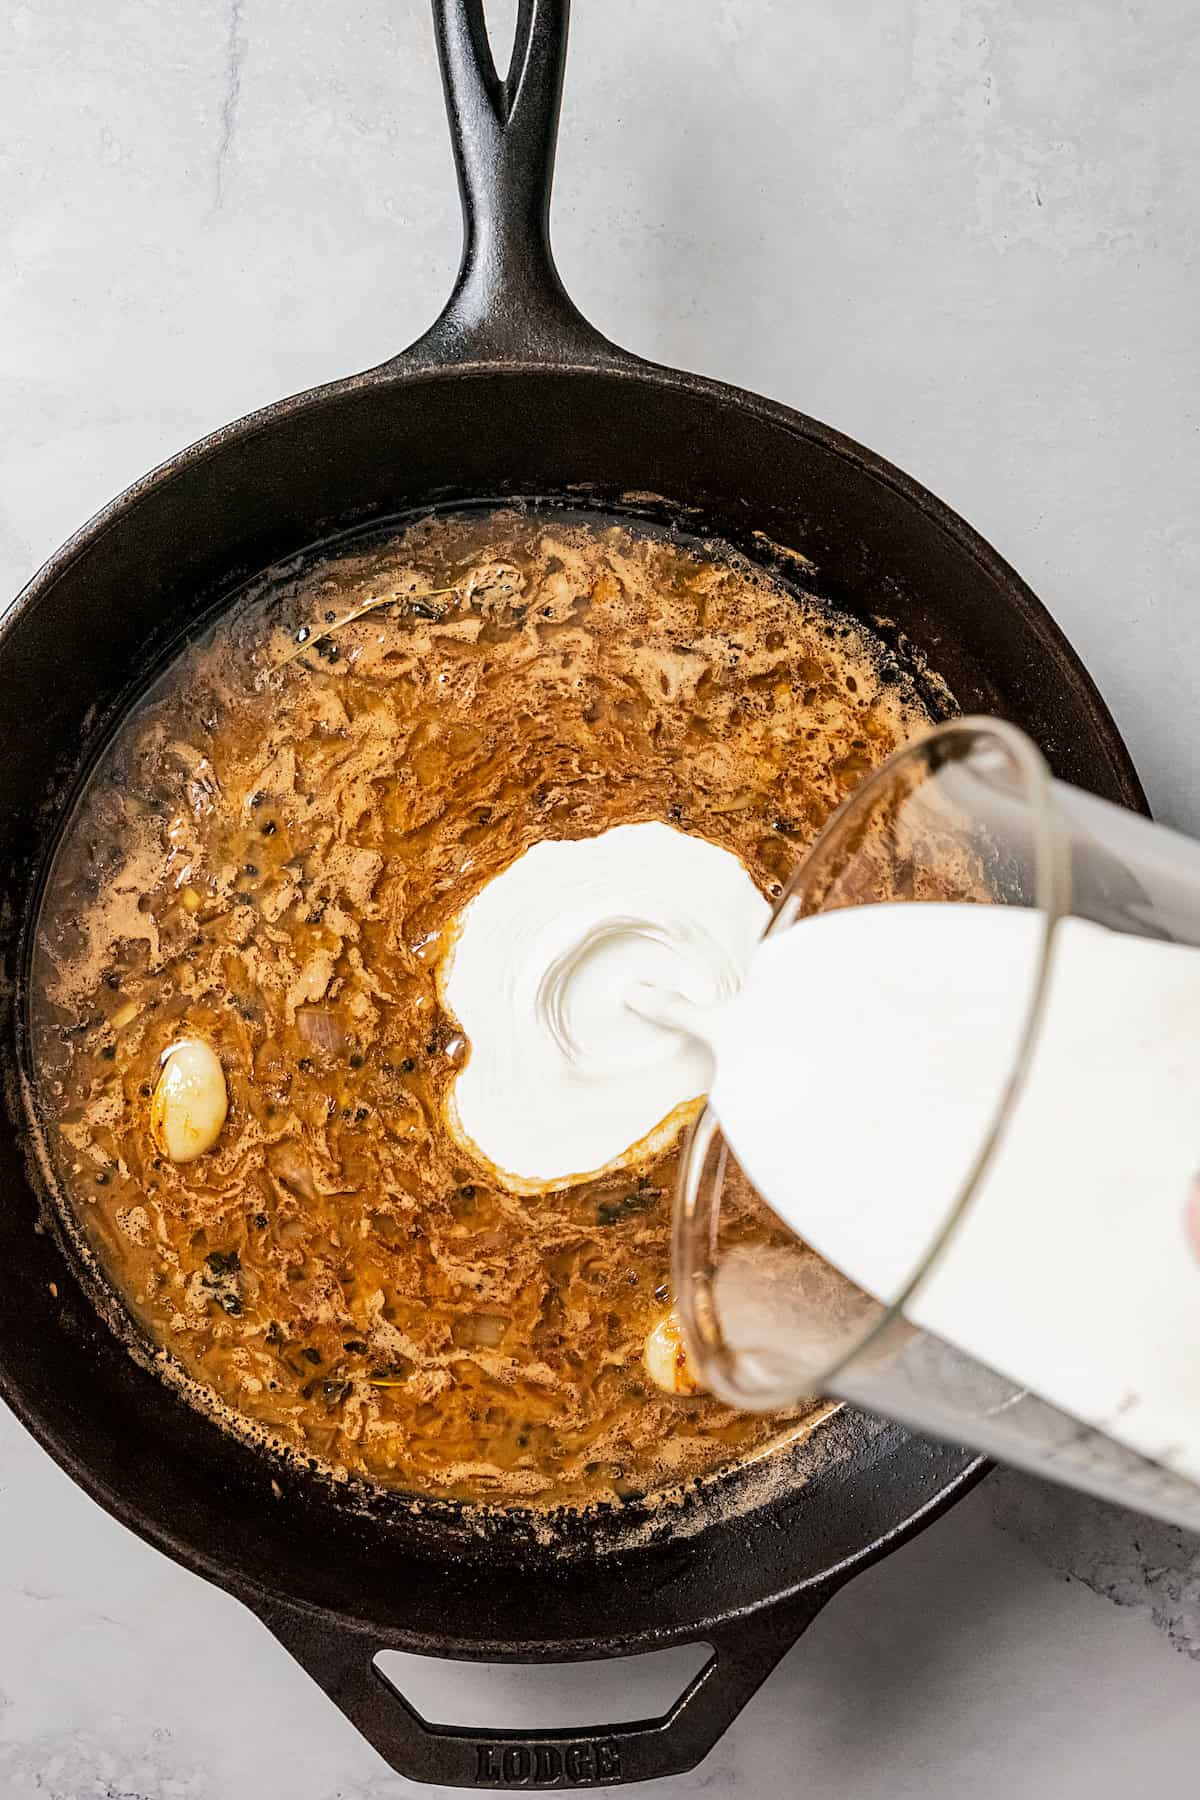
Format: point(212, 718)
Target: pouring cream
point(860, 1073)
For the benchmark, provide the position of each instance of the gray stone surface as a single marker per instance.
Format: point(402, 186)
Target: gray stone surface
point(962, 230)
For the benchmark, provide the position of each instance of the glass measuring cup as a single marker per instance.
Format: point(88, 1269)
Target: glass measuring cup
point(968, 812)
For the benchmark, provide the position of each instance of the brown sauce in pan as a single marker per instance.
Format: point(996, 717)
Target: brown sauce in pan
point(268, 858)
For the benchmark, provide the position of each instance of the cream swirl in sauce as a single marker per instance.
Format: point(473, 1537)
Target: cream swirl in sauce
point(566, 1077)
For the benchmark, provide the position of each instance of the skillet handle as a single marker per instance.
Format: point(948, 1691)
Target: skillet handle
point(508, 302)
point(340, 1658)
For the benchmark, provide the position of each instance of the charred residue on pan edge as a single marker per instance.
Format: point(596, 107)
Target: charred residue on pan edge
point(778, 1468)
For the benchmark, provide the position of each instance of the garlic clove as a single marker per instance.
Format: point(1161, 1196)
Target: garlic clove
point(190, 1101)
point(666, 1358)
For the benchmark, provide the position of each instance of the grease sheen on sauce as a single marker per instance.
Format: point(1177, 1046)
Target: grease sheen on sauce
point(268, 858)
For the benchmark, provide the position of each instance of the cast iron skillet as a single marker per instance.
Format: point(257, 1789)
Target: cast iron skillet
point(511, 392)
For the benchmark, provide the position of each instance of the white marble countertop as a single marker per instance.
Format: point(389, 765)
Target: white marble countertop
point(964, 231)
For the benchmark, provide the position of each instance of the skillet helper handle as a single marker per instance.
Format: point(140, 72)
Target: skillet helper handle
point(508, 302)
point(341, 1659)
